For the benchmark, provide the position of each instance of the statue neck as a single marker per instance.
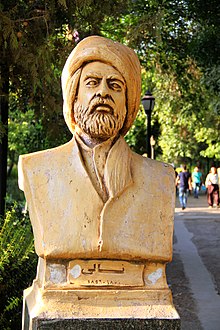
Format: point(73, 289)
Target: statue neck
point(92, 142)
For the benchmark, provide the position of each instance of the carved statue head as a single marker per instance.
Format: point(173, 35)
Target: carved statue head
point(101, 82)
point(100, 105)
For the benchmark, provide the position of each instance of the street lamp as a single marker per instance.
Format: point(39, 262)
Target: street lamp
point(148, 104)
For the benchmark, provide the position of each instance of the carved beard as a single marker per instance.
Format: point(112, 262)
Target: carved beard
point(97, 124)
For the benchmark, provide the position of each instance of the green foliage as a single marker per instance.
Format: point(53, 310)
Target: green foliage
point(179, 111)
point(166, 36)
point(25, 133)
point(205, 45)
point(13, 191)
point(94, 16)
point(209, 134)
point(136, 137)
point(17, 265)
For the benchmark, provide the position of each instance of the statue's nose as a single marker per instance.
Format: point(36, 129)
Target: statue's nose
point(103, 88)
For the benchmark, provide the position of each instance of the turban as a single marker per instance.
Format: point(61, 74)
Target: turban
point(121, 57)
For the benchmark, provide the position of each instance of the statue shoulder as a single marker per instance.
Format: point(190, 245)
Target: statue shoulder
point(48, 153)
point(36, 160)
point(156, 167)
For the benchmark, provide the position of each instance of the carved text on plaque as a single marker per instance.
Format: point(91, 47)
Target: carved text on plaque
point(105, 273)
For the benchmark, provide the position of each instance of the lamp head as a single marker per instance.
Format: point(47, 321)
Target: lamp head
point(148, 101)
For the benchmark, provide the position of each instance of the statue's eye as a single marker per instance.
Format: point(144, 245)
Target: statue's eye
point(92, 82)
point(115, 86)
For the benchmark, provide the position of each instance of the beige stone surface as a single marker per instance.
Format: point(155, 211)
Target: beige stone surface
point(87, 273)
point(96, 304)
point(102, 215)
point(69, 218)
point(80, 273)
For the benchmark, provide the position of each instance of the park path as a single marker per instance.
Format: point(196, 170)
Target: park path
point(194, 274)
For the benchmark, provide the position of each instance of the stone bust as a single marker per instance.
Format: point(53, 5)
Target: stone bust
point(102, 215)
point(93, 198)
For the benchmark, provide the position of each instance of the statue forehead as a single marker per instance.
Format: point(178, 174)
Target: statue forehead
point(101, 69)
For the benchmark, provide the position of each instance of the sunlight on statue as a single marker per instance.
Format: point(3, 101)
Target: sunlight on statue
point(102, 215)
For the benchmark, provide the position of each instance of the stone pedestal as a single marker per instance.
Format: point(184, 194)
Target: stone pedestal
point(98, 309)
point(106, 324)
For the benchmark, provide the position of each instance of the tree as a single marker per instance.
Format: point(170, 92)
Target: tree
point(167, 36)
point(35, 39)
point(205, 48)
point(23, 57)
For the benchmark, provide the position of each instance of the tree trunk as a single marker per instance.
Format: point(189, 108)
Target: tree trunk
point(4, 106)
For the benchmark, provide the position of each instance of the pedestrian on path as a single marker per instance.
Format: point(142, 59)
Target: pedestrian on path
point(212, 186)
point(184, 182)
point(196, 181)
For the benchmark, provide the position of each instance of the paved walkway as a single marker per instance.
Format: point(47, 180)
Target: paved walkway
point(194, 274)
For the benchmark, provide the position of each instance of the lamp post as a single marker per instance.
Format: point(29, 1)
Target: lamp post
point(148, 104)
point(152, 144)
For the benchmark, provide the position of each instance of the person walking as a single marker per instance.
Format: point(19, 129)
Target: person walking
point(196, 181)
point(212, 185)
point(185, 184)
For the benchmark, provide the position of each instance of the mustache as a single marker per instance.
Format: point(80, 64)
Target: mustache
point(97, 101)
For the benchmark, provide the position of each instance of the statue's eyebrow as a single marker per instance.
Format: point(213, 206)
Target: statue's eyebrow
point(92, 75)
point(96, 75)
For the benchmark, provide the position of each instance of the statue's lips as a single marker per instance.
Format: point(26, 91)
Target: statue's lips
point(103, 108)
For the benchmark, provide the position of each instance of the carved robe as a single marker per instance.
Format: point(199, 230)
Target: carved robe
point(71, 221)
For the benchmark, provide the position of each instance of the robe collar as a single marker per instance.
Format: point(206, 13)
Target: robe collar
point(117, 170)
